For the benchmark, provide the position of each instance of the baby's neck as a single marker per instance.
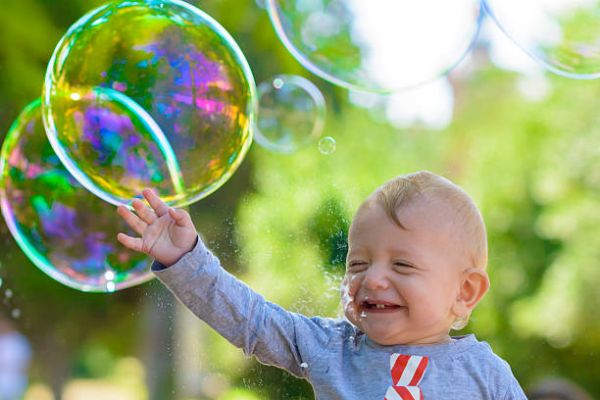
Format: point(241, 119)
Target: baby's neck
point(431, 341)
point(427, 341)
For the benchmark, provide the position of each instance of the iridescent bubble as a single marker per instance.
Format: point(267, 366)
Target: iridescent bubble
point(563, 35)
point(65, 230)
point(149, 94)
point(291, 113)
point(327, 145)
point(379, 46)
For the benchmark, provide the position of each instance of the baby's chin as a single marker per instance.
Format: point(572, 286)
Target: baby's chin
point(382, 337)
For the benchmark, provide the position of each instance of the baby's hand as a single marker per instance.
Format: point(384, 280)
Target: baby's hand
point(166, 233)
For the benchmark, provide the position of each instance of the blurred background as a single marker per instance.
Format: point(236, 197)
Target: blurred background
point(525, 143)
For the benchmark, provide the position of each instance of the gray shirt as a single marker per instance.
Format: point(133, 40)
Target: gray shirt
point(337, 359)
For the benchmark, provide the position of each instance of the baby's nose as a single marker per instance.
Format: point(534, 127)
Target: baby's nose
point(376, 278)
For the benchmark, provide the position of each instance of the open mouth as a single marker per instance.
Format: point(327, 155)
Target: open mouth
point(379, 306)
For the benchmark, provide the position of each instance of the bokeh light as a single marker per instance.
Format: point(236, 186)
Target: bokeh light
point(380, 46)
point(564, 35)
point(149, 94)
point(291, 113)
point(65, 230)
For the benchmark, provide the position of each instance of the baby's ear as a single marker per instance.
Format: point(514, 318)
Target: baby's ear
point(474, 283)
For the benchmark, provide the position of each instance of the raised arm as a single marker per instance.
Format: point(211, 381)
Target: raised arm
point(183, 263)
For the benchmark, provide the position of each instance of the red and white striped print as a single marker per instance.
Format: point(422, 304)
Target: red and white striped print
point(404, 393)
point(407, 372)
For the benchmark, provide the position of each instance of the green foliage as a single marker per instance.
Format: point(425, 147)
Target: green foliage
point(330, 227)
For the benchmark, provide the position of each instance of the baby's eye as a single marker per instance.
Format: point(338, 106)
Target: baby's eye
point(357, 265)
point(402, 265)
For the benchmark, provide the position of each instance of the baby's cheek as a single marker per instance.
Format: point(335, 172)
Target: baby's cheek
point(349, 287)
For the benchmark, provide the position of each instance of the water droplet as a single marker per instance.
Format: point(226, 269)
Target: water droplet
point(304, 365)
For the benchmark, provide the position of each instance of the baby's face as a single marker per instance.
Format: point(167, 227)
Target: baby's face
point(401, 285)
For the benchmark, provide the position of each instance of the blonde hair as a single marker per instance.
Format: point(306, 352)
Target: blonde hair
point(405, 189)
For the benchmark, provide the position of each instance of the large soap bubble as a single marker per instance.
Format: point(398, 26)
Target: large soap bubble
point(564, 35)
point(380, 46)
point(149, 94)
point(66, 231)
point(291, 113)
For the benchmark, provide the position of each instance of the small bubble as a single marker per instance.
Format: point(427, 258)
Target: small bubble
point(278, 83)
point(363, 314)
point(16, 313)
point(8, 294)
point(327, 145)
point(304, 365)
point(110, 287)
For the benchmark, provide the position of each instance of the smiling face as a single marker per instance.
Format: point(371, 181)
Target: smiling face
point(403, 285)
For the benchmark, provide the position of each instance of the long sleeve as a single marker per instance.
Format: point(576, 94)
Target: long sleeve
point(275, 336)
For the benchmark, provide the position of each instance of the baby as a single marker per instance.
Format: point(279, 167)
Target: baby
point(415, 270)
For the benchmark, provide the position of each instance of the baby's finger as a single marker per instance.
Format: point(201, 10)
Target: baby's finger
point(159, 206)
point(181, 217)
point(132, 220)
point(130, 242)
point(143, 211)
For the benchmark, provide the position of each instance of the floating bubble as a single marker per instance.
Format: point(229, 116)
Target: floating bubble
point(65, 230)
point(327, 145)
point(149, 94)
point(563, 35)
point(15, 313)
point(291, 113)
point(379, 46)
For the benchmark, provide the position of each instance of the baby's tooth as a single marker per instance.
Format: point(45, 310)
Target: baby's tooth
point(380, 306)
